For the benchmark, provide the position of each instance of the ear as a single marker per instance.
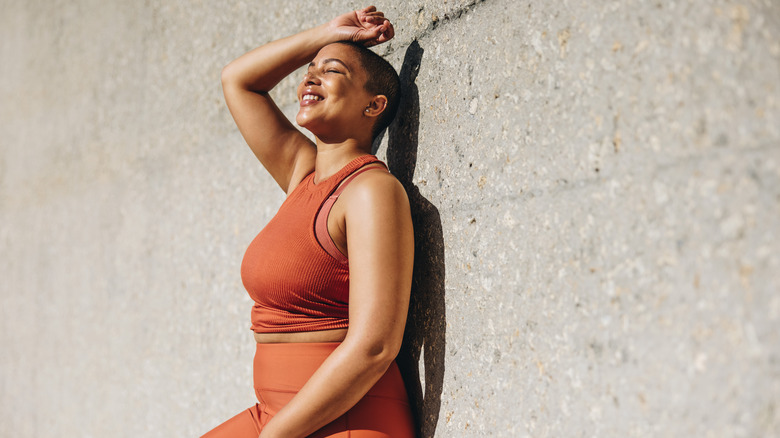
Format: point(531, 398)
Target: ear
point(376, 106)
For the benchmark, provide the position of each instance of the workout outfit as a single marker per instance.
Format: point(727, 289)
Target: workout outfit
point(299, 281)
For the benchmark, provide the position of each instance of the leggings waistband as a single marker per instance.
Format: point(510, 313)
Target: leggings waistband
point(281, 370)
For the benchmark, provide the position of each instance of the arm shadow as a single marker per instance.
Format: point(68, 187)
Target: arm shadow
point(423, 348)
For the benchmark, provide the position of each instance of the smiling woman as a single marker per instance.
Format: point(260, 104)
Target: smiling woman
point(333, 95)
point(331, 273)
point(369, 76)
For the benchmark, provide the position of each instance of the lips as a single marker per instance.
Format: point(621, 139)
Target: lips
point(310, 98)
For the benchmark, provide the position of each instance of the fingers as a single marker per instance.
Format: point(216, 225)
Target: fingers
point(377, 29)
point(375, 18)
point(388, 33)
point(384, 32)
point(370, 11)
point(380, 35)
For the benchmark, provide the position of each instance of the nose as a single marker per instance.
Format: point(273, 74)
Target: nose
point(310, 79)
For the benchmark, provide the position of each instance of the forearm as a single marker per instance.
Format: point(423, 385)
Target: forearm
point(262, 68)
point(338, 384)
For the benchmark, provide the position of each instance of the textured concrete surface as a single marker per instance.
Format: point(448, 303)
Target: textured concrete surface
point(596, 190)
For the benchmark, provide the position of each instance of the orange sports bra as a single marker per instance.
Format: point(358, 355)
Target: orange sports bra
point(293, 271)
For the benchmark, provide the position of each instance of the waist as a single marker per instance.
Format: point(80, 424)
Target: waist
point(334, 335)
point(280, 370)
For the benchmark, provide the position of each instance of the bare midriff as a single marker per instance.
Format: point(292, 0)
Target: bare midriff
point(335, 335)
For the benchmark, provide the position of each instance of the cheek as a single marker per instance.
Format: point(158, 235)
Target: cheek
point(352, 99)
point(298, 91)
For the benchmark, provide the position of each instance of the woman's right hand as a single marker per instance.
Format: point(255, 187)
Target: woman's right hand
point(366, 26)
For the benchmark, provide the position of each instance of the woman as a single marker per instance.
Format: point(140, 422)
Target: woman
point(331, 273)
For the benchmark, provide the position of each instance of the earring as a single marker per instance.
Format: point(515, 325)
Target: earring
point(366, 109)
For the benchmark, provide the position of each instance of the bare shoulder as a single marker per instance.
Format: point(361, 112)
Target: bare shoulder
point(378, 224)
point(376, 190)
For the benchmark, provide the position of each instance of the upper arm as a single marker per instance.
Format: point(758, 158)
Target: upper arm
point(282, 149)
point(380, 242)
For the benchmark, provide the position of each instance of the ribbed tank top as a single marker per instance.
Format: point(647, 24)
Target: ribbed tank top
point(297, 285)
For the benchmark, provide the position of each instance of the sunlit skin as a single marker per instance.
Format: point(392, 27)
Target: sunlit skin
point(371, 221)
point(337, 80)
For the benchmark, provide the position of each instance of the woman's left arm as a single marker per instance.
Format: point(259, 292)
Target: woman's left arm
point(380, 244)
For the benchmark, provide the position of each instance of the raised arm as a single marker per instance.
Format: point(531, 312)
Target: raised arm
point(284, 151)
point(381, 252)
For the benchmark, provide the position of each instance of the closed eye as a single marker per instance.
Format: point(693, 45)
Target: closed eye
point(324, 62)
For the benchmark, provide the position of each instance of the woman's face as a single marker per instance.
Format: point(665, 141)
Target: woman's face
point(332, 95)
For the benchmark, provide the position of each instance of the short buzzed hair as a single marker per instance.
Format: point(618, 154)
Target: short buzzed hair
point(381, 78)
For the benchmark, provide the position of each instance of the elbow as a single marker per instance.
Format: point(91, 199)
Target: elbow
point(386, 355)
point(378, 354)
point(380, 362)
point(228, 74)
point(234, 77)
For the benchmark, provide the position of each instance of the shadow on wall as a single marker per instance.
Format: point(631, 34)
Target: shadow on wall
point(425, 328)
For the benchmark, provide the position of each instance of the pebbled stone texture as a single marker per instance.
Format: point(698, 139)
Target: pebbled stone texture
point(596, 195)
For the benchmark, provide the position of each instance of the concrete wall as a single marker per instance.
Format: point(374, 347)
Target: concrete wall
point(596, 187)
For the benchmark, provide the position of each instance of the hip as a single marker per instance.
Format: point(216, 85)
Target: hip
point(281, 370)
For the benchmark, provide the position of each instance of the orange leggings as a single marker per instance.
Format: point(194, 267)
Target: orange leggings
point(280, 370)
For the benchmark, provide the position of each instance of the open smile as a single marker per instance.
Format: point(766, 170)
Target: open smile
point(310, 98)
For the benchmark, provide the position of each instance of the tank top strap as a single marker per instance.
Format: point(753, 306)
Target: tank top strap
point(352, 176)
point(321, 222)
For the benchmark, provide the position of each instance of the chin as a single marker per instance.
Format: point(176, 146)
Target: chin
point(302, 120)
point(307, 124)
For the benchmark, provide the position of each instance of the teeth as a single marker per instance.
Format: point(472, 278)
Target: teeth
point(311, 97)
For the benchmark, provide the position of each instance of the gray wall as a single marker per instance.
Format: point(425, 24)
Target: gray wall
point(596, 188)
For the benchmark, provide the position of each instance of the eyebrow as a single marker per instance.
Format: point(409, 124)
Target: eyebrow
point(325, 61)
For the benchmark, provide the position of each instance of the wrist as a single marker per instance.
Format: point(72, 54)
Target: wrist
point(325, 34)
point(270, 430)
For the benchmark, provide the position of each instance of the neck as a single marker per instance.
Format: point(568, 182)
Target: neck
point(332, 157)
